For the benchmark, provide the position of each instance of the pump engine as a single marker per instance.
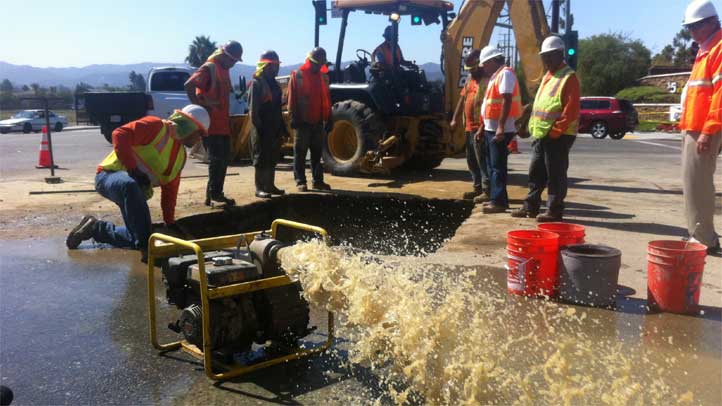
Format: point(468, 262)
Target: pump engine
point(276, 317)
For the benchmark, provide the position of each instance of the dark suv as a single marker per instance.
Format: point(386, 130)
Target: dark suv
point(600, 116)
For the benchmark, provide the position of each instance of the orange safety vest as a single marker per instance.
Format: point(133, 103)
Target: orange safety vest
point(385, 51)
point(219, 90)
point(494, 99)
point(303, 93)
point(702, 109)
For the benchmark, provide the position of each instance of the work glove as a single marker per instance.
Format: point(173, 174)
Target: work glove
point(140, 177)
point(329, 126)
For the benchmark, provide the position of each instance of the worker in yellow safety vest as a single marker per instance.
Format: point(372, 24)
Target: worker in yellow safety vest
point(553, 125)
point(499, 111)
point(147, 152)
point(701, 123)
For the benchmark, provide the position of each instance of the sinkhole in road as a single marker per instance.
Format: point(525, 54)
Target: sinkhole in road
point(386, 225)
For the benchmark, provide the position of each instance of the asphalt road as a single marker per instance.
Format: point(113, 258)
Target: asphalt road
point(77, 151)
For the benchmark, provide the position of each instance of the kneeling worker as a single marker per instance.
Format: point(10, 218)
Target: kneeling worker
point(309, 104)
point(146, 153)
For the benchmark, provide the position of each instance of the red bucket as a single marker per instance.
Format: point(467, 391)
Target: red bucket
point(674, 275)
point(532, 268)
point(568, 233)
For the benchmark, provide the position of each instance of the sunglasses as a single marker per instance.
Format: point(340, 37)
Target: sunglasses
point(696, 25)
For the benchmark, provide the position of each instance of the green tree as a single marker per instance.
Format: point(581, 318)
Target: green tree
point(664, 57)
point(199, 50)
point(137, 81)
point(25, 88)
point(6, 86)
point(680, 52)
point(611, 62)
point(82, 87)
point(36, 88)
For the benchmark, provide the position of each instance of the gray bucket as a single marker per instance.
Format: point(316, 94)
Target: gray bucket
point(589, 274)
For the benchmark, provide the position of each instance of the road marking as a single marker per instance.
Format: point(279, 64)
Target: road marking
point(659, 145)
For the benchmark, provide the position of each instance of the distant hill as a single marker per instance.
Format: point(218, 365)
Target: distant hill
point(117, 75)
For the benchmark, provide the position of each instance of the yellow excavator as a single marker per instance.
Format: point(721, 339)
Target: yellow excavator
point(386, 118)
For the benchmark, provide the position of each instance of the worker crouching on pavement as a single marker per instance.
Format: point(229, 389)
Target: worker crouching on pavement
point(470, 104)
point(210, 87)
point(553, 124)
point(701, 123)
point(267, 126)
point(499, 111)
point(146, 153)
point(309, 105)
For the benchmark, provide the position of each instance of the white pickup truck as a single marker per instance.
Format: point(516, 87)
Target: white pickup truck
point(164, 93)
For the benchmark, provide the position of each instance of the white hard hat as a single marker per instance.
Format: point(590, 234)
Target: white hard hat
point(489, 52)
point(552, 43)
point(698, 10)
point(199, 113)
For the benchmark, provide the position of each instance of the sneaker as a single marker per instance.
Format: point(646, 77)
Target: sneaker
point(83, 231)
point(492, 208)
point(263, 195)
point(481, 198)
point(217, 204)
point(549, 218)
point(524, 213)
point(302, 188)
point(321, 186)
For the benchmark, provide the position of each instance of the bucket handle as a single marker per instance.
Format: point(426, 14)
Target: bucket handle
point(521, 268)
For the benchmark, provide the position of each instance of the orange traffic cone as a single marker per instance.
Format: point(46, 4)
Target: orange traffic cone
point(513, 146)
point(44, 157)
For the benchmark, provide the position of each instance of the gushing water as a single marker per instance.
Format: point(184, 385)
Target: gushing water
point(444, 336)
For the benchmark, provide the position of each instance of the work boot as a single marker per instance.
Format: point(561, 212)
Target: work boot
point(302, 187)
point(481, 198)
point(492, 208)
point(471, 195)
point(83, 231)
point(549, 218)
point(321, 186)
point(523, 212)
point(260, 180)
point(217, 203)
point(271, 184)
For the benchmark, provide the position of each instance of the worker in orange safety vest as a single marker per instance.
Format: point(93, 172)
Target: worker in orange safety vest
point(309, 105)
point(701, 123)
point(499, 111)
point(382, 56)
point(210, 87)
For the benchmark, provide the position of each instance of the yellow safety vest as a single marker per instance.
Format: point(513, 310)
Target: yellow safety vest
point(154, 159)
point(548, 105)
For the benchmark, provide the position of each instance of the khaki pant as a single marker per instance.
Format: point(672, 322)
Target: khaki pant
point(698, 187)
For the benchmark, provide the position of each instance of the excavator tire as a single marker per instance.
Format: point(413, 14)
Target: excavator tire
point(430, 150)
point(356, 130)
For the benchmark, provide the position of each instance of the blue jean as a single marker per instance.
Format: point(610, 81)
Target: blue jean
point(496, 167)
point(476, 157)
point(124, 191)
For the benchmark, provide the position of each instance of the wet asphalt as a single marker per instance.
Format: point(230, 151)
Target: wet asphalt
point(74, 330)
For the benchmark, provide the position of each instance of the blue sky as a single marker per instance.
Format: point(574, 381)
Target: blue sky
point(56, 33)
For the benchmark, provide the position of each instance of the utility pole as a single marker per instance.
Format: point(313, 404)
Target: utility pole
point(568, 16)
point(555, 16)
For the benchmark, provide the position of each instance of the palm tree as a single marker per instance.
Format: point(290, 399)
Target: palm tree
point(199, 50)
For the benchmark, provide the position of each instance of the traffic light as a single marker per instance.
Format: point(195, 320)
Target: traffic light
point(321, 13)
point(571, 43)
point(416, 20)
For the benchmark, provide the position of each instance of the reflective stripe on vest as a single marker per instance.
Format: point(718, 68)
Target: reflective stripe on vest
point(548, 105)
point(477, 100)
point(700, 89)
point(494, 99)
point(162, 159)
